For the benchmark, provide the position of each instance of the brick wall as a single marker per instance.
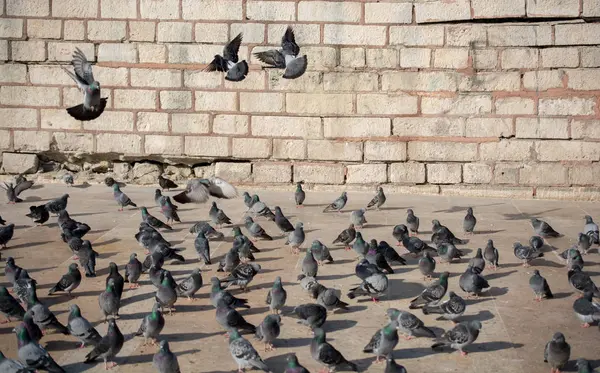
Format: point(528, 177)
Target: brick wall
point(416, 92)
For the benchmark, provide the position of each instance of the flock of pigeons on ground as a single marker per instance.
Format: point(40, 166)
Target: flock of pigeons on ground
point(375, 262)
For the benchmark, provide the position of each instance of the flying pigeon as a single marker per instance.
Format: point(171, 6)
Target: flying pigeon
point(461, 336)
point(338, 204)
point(287, 57)
point(543, 229)
point(81, 329)
point(557, 353)
point(151, 326)
point(14, 190)
point(166, 183)
point(229, 63)
point(378, 200)
point(93, 104)
point(299, 195)
point(108, 347)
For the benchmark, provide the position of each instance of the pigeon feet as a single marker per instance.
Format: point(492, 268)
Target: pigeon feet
point(375, 300)
point(586, 325)
point(5, 321)
point(110, 365)
point(269, 347)
point(82, 345)
point(463, 353)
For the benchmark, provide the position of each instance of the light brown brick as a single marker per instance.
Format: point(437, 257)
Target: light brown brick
point(354, 34)
point(415, 57)
point(354, 82)
point(255, 80)
point(466, 35)
point(155, 78)
point(156, 144)
point(515, 105)
point(234, 171)
point(477, 173)
point(190, 123)
point(17, 73)
point(552, 8)
point(385, 151)
point(326, 150)
point(560, 57)
point(231, 124)
point(436, 127)
point(585, 129)
point(175, 100)
point(485, 58)
point(584, 79)
point(253, 32)
point(29, 96)
point(28, 50)
point(44, 28)
point(212, 9)
point(152, 122)
point(261, 102)
point(463, 104)
point(591, 8)
point(20, 118)
point(174, 32)
point(394, 13)
point(31, 141)
point(199, 53)
point(160, 9)
point(118, 8)
point(319, 173)
point(55, 119)
point(271, 11)
point(352, 57)
point(366, 174)
point(11, 28)
point(584, 174)
point(106, 30)
point(305, 34)
point(419, 81)
point(407, 172)
point(209, 146)
point(117, 52)
point(272, 172)
point(590, 57)
point(215, 101)
point(311, 81)
point(576, 34)
point(276, 126)
point(489, 127)
point(5, 138)
point(382, 58)
point(498, 9)
point(320, 58)
point(329, 11)
point(74, 30)
point(543, 174)
point(142, 31)
point(211, 32)
point(441, 151)
point(519, 58)
point(507, 173)
point(75, 8)
point(251, 147)
point(319, 103)
point(201, 79)
point(417, 35)
point(111, 76)
point(381, 104)
point(542, 128)
point(564, 150)
point(63, 51)
point(111, 121)
point(289, 149)
point(3, 50)
point(451, 58)
point(441, 10)
point(485, 82)
point(118, 143)
point(567, 106)
point(29, 8)
point(134, 99)
point(357, 127)
point(542, 80)
point(506, 150)
point(155, 53)
point(73, 142)
point(520, 35)
point(444, 173)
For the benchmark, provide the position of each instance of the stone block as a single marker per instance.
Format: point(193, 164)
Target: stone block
point(577, 34)
point(542, 128)
point(415, 57)
point(142, 31)
point(507, 173)
point(161, 9)
point(201, 79)
point(28, 51)
point(11, 28)
point(155, 78)
point(498, 9)
point(506, 150)
point(515, 105)
point(74, 30)
point(442, 10)
point(253, 32)
point(29, 96)
point(157, 144)
point(5, 138)
point(134, 99)
point(419, 81)
point(38, 74)
point(111, 76)
point(272, 172)
point(111, 121)
point(175, 100)
point(326, 150)
point(29, 8)
point(17, 163)
point(390, 104)
point(117, 52)
point(215, 101)
point(174, 32)
point(485, 59)
point(154, 53)
point(442, 151)
point(591, 8)
point(118, 143)
point(407, 172)
point(20, 118)
point(584, 79)
point(543, 174)
point(567, 106)
point(273, 126)
point(319, 173)
point(584, 174)
point(190, 123)
point(428, 127)
point(75, 8)
point(118, 8)
point(444, 173)
point(355, 82)
point(466, 35)
point(393, 13)
point(231, 124)
point(55, 119)
point(477, 173)
point(519, 58)
point(417, 35)
point(492, 81)
point(73, 142)
point(251, 147)
point(463, 104)
point(3, 50)
point(152, 122)
point(146, 173)
point(305, 34)
point(289, 149)
point(261, 102)
point(234, 172)
point(271, 11)
point(31, 141)
point(451, 58)
point(564, 150)
point(319, 103)
point(366, 173)
point(357, 127)
point(385, 151)
point(552, 8)
point(44, 28)
point(312, 81)
point(521, 35)
point(106, 30)
point(212, 9)
point(329, 11)
point(13, 73)
point(560, 57)
point(489, 127)
point(585, 129)
point(211, 33)
point(382, 58)
point(210, 146)
point(542, 80)
point(63, 51)
point(354, 35)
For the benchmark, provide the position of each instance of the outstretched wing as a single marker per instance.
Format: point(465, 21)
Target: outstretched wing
point(288, 43)
point(271, 57)
point(221, 189)
point(230, 52)
point(195, 192)
point(23, 186)
point(82, 67)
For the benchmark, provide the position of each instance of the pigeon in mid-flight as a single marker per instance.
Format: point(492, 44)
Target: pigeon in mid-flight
point(13, 191)
point(288, 57)
point(93, 104)
point(229, 62)
point(199, 190)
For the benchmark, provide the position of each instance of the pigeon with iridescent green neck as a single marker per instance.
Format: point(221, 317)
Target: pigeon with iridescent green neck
point(360, 246)
point(35, 332)
point(153, 221)
point(9, 306)
point(293, 365)
point(13, 366)
point(277, 296)
point(378, 200)
point(109, 300)
point(310, 267)
point(409, 324)
point(219, 295)
point(433, 293)
point(427, 265)
point(164, 360)
point(169, 210)
point(166, 295)
point(259, 208)
point(384, 340)
point(152, 324)
point(321, 252)
point(450, 307)
point(584, 242)
point(42, 316)
point(34, 355)
point(374, 256)
point(122, 199)
point(583, 366)
point(412, 221)
point(108, 347)
point(338, 204)
point(81, 329)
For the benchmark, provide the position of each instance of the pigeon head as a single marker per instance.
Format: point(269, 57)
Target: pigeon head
point(479, 254)
point(164, 346)
point(588, 295)
point(583, 365)
point(299, 185)
point(536, 272)
point(110, 285)
point(133, 256)
point(63, 214)
point(444, 276)
point(410, 212)
point(391, 328)
point(157, 193)
point(451, 294)
point(292, 360)
point(116, 187)
point(233, 335)
point(22, 334)
point(248, 220)
point(470, 211)
point(490, 243)
point(144, 211)
point(95, 86)
point(10, 261)
point(214, 204)
point(299, 225)
point(533, 220)
point(516, 244)
point(73, 267)
point(392, 313)
point(475, 324)
point(435, 223)
point(319, 335)
point(379, 189)
point(277, 209)
point(155, 308)
point(588, 219)
point(113, 267)
point(75, 311)
point(3, 291)
point(344, 194)
point(558, 337)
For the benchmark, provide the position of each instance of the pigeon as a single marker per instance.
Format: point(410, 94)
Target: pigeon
point(12, 366)
point(34, 331)
point(373, 256)
point(557, 352)
point(287, 57)
point(11, 270)
point(229, 62)
point(219, 295)
point(373, 286)
point(153, 221)
point(9, 306)
point(360, 246)
point(166, 183)
point(311, 314)
point(587, 310)
point(217, 216)
point(232, 258)
point(384, 340)
point(390, 254)
point(151, 326)
point(536, 242)
point(42, 316)
point(268, 331)
point(540, 287)
point(259, 208)
point(71, 228)
point(277, 296)
point(133, 271)
point(296, 238)
point(574, 258)
point(209, 231)
point(311, 286)
point(244, 354)
point(199, 190)
point(392, 367)
point(87, 258)
point(409, 324)
point(584, 366)
point(330, 298)
point(346, 236)
point(282, 222)
point(591, 229)
point(320, 252)
point(543, 229)
point(121, 198)
point(22, 286)
point(490, 254)
point(413, 244)
point(357, 218)
point(6, 234)
point(69, 282)
point(242, 275)
point(427, 265)
point(154, 260)
point(469, 221)
point(293, 366)
point(471, 282)
point(189, 286)
point(202, 248)
point(443, 234)
point(338, 204)
point(326, 354)
point(412, 221)
point(109, 300)
point(231, 320)
point(38, 214)
point(310, 267)
point(56, 205)
point(582, 282)
point(93, 104)
point(119, 281)
point(68, 179)
point(164, 361)
point(461, 336)
point(168, 209)
point(238, 232)
point(33, 355)
point(256, 230)
point(450, 308)
point(448, 252)
point(299, 195)
point(526, 253)
point(432, 294)
point(584, 242)
point(14, 190)
point(378, 200)
point(244, 249)
point(109, 181)
point(81, 329)
point(108, 347)
point(364, 269)
point(166, 295)
point(477, 261)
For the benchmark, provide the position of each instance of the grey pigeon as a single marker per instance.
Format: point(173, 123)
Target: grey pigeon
point(22, 287)
point(56, 205)
point(237, 232)
point(122, 198)
point(6, 234)
point(153, 221)
point(217, 294)
point(277, 296)
point(87, 258)
point(357, 218)
point(409, 324)
point(299, 195)
point(346, 237)
point(536, 242)
point(282, 222)
point(450, 308)
point(35, 333)
point(327, 355)
point(164, 361)
point(557, 352)
point(540, 287)
point(526, 253)
point(384, 340)
point(373, 286)
point(11, 270)
point(242, 275)
point(166, 295)
point(259, 208)
point(169, 210)
point(543, 229)
point(229, 62)
point(199, 190)
point(365, 269)
point(296, 238)
point(217, 216)
point(42, 316)
point(81, 329)
point(109, 301)
point(574, 258)
point(310, 267)
point(93, 104)
point(232, 258)
point(584, 242)
point(360, 246)
point(311, 286)
point(390, 254)
point(256, 230)
point(472, 282)
point(244, 354)
point(412, 221)
point(244, 249)
point(448, 252)
point(586, 309)
point(133, 271)
point(268, 331)
point(293, 366)
point(108, 347)
point(13, 366)
point(166, 183)
point(33, 355)
point(582, 282)
point(202, 247)
point(14, 190)
point(432, 293)
point(68, 282)
point(477, 261)
point(427, 265)
point(38, 214)
point(9, 306)
point(68, 179)
point(591, 229)
point(330, 298)
point(311, 314)
point(378, 200)
point(392, 367)
point(189, 286)
point(320, 252)
point(414, 245)
point(208, 230)
point(583, 366)
point(461, 336)
point(373, 256)
point(491, 255)
point(287, 57)
point(119, 281)
point(338, 204)
point(443, 234)
point(248, 201)
point(151, 326)
point(231, 320)
point(469, 221)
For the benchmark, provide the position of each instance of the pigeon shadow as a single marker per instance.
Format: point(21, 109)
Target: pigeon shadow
point(293, 342)
point(180, 307)
point(398, 289)
point(137, 298)
point(495, 275)
point(495, 291)
point(107, 242)
point(333, 277)
point(369, 226)
point(81, 186)
point(61, 345)
point(343, 261)
point(390, 208)
point(29, 244)
point(562, 295)
point(32, 199)
point(255, 311)
point(525, 216)
point(180, 337)
point(484, 315)
point(493, 346)
point(147, 358)
point(335, 325)
point(545, 263)
point(87, 214)
point(413, 353)
point(490, 231)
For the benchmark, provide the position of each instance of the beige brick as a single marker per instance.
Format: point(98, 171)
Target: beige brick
point(211, 33)
point(441, 151)
point(73, 142)
point(584, 79)
point(118, 143)
point(156, 144)
point(415, 57)
point(212, 9)
point(444, 173)
point(271, 11)
point(106, 30)
point(190, 123)
point(489, 127)
point(289, 149)
point(111, 121)
point(155, 78)
point(590, 57)
point(31, 141)
point(174, 32)
point(134, 99)
point(215, 101)
point(272, 172)
point(175, 100)
point(15, 163)
point(3, 50)
point(525, 35)
point(382, 58)
point(519, 58)
point(466, 35)
point(55, 119)
point(591, 8)
point(75, 8)
point(417, 35)
point(567, 106)
point(385, 151)
point(442, 10)
point(319, 103)
point(329, 11)
point(231, 124)
point(543, 174)
point(552, 8)
point(515, 105)
point(357, 127)
point(565, 150)
point(506, 173)
point(319, 173)
point(585, 129)
point(141, 31)
point(320, 58)
point(542, 128)
point(485, 59)
point(5, 141)
point(155, 53)
point(160, 9)
point(13, 73)
point(118, 8)
point(498, 9)
point(390, 104)
point(485, 82)
point(326, 150)
point(311, 81)
point(152, 122)
point(261, 102)
point(354, 35)
point(274, 126)
point(463, 104)
point(407, 172)
point(29, 8)
point(584, 174)
point(117, 52)
point(305, 34)
point(234, 171)
point(74, 30)
point(253, 32)
point(394, 13)
point(11, 28)
point(210, 146)
point(574, 34)
point(419, 81)
point(255, 80)
point(19, 118)
point(201, 79)
point(506, 150)
point(354, 82)
point(560, 57)
point(542, 80)
point(352, 57)
point(251, 147)
point(435, 127)
point(366, 174)
point(29, 96)
point(204, 53)
point(111, 76)
point(28, 50)
point(451, 58)
point(44, 29)
point(477, 173)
